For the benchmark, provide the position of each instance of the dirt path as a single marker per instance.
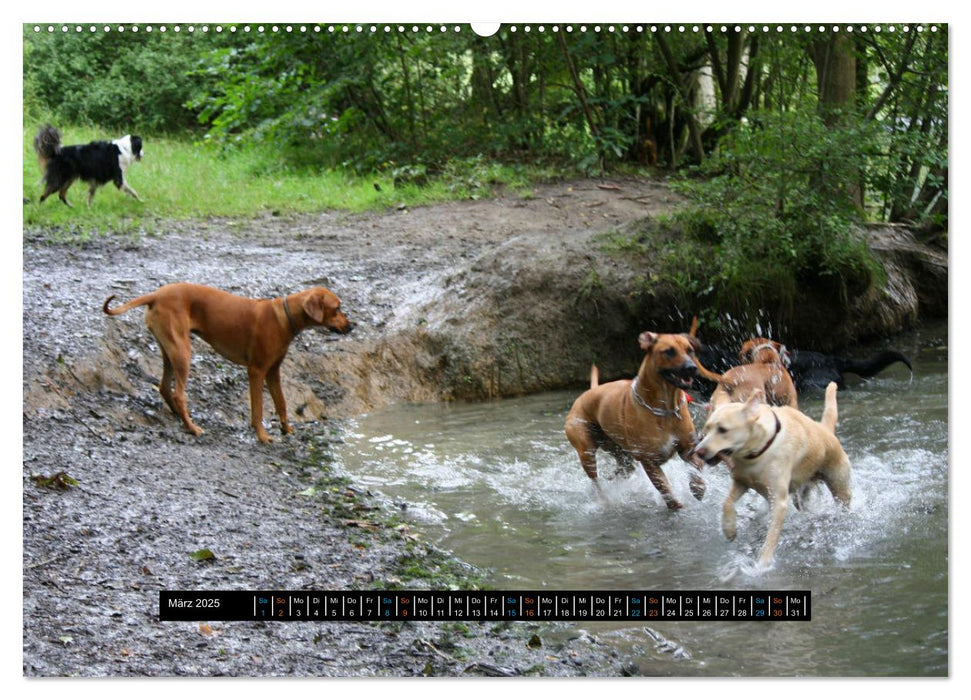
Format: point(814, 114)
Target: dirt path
point(147, 495)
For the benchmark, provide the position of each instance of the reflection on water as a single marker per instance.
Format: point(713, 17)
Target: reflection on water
point(498, 484)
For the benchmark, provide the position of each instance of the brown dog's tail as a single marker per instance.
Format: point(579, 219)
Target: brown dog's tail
point(594, 377)
point(140, 301)
point(703, 372)
point(830, 414)
point(707, 374)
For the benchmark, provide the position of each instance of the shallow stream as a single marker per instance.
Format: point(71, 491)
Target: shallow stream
point(497, 484)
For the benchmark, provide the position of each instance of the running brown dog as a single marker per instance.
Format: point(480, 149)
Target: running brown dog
point(255, 333)
point(765, 373)
point(646, 419)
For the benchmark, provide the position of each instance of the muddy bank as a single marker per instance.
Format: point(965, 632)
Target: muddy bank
point(465, 300)
point(469, 299)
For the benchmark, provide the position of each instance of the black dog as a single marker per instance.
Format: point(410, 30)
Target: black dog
point(816, 370)
point(810, 370)
point(96, 163)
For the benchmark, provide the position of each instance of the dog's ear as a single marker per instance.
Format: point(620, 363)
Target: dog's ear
point(647, 340)
point(751, 407)
point(745, 354)
point(695, 343)
point(315, 306)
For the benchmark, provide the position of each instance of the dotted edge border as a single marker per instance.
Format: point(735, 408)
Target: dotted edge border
point(442, 28)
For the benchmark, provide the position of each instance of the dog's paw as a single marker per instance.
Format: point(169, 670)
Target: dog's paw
point(765, 563)
point(698, 488)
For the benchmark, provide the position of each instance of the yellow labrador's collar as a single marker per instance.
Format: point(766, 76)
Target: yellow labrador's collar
point(778, 428)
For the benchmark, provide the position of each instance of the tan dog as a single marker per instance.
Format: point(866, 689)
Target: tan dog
point(776, 451)
point(764, 372)
point(646, 419)
point(255, 333)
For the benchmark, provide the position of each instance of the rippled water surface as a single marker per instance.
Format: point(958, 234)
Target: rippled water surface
point(498, 484)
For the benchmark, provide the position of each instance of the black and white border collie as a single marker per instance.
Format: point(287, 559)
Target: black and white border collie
point(96, 163)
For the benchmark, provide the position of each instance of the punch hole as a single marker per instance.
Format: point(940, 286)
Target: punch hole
point(485, 28)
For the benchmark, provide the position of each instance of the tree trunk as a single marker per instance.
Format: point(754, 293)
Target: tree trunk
point(835, 61)
point(694, 131)
point(581, 94)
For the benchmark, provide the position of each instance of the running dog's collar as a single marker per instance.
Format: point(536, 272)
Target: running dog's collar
point(659, 412)
point(286, 310)
point(778, 428)
point(783, 353)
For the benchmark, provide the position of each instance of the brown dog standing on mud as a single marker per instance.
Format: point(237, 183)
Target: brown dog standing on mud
point(776, 450)
point(646, 419)
point(255, 333)
point(765, 373)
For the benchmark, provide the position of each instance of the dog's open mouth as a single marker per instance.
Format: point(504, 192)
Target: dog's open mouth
point(681, 378)
point(715, 458)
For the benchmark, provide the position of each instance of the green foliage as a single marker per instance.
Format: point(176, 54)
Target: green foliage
point(329, 101)
point(128, 82)
point(777, 207)
point(411, 105)
point(396, 100)
point(910, 180)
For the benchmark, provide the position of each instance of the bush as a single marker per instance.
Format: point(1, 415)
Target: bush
point(128, 82)
point(778, 204)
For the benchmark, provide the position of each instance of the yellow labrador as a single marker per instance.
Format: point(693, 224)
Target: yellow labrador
point(775, 450)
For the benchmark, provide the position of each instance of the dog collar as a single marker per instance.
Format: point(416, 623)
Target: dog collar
point(778, 428)
point(286, 310)
point(783, 353)
point(659, 412)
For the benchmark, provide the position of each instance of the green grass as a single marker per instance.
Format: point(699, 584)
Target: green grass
point(182, 179)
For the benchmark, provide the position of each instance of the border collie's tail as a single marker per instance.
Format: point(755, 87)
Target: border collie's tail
point(874, 364)
point(47, 143)
point(830, 413)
